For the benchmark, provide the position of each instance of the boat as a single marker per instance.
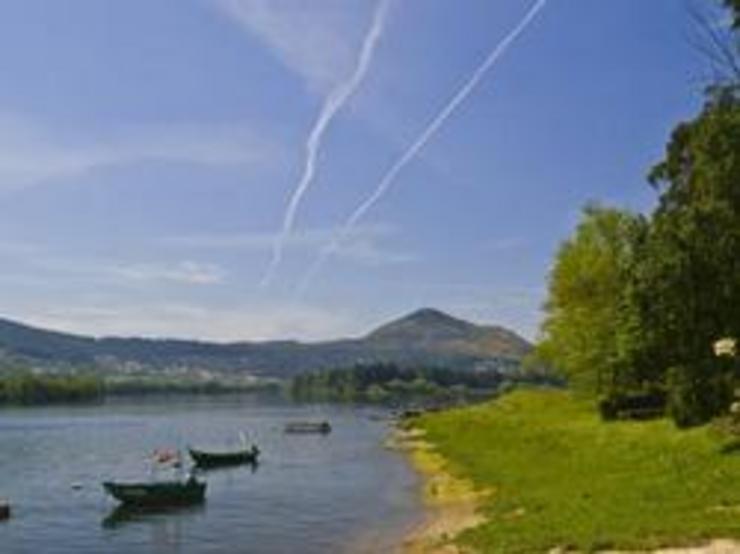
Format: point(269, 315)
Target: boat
point(321, 427)
point(203, 459)
point(4, 509)
point(159, 493)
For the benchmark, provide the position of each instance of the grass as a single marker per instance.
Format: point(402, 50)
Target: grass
point(561, 477)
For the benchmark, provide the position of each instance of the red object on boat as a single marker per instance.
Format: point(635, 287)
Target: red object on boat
point(166, 456)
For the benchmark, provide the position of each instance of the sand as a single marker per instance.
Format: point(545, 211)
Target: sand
point(453, 503)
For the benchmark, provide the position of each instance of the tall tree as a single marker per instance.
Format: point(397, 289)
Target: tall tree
point(690, 287)
point(586, 289)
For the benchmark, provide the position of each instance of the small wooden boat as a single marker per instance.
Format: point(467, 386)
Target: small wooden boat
point(4, 509)
point(163, 493)
point(321, 427)
point(205, 459)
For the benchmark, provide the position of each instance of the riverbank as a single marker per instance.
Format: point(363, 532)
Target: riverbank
point(563, 480)
point(452, 503)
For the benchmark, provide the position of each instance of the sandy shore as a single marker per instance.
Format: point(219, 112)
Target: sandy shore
point(712, 547)
point(453, 504)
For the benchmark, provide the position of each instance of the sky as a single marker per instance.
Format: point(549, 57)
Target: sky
point(149, 149)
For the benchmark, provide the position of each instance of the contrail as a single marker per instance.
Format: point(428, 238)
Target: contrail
point(387, 181)
point(333, 103)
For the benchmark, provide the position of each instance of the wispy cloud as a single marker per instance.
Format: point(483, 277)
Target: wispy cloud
point(114, 317)
point(366, 245)
point(315, 40)
point(31, 152)
point(334, 102)
point(449, 109)
point(186, 272)
point(104, 271)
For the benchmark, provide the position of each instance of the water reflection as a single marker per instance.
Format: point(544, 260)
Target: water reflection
point(168, 517)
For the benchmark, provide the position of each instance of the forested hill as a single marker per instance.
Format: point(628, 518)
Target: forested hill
point(425, 337)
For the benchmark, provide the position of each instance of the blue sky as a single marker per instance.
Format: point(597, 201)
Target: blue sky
point(148, 149)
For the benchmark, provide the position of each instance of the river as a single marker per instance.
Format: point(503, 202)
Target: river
point(310, 493)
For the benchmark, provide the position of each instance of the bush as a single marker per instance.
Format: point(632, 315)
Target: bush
point(699, 393)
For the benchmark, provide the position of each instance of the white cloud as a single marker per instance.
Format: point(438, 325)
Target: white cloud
point(31, 152)
point(186, 272)
point(316, 40)
point(183, 320)
point(47, 269)
point(365, 245)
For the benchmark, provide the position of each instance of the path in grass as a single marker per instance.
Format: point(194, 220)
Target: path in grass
point(563, 478)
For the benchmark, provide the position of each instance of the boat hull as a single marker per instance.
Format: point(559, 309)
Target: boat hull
point(204, 459)
point(300, 427)
point(168, 493)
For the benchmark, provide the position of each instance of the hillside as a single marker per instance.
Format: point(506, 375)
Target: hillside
point(437, 331)
point(426, 337)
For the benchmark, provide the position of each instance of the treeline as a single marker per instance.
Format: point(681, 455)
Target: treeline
point(27, 388)
point(637, 302)
point(137, 386)
point(385, 382)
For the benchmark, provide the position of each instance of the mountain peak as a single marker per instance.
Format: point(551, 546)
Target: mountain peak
point(425, 324)
point(432, 316)
point(432, 329)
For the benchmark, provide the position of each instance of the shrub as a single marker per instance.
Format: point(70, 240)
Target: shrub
point(699, 392)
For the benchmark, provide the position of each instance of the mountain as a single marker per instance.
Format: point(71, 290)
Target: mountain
point(437, 331)
point(424, 337)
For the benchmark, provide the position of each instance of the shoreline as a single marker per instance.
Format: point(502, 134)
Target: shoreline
point(452, 504)
point(455, 504)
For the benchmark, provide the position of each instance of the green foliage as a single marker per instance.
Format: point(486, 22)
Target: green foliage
point(26, 388)
point(698, 392)
point(586, 290)
point(687, 289)
point(636, 304)
point(562, 478)
point(383, 382)
point(734, 6)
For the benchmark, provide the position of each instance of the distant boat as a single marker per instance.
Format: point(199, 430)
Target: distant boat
point(163, 493)
point(322, 427)
point(206, 460)
point(4, 509)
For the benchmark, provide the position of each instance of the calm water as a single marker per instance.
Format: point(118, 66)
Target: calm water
point(310, 494)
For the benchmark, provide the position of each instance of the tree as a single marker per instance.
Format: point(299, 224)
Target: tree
point(734, 6)
point(586, 294)
point(687, 288)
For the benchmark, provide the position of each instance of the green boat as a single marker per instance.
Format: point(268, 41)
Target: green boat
point(207, 460)
point(163, 493)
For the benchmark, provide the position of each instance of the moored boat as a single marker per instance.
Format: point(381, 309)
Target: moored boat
point(4, 509)
point(204, 459)
point(162, 493)
point(321, 427)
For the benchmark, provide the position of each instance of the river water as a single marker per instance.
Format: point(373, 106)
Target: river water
point(310, 494)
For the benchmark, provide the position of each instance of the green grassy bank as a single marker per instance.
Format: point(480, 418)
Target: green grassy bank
point(561, 477)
